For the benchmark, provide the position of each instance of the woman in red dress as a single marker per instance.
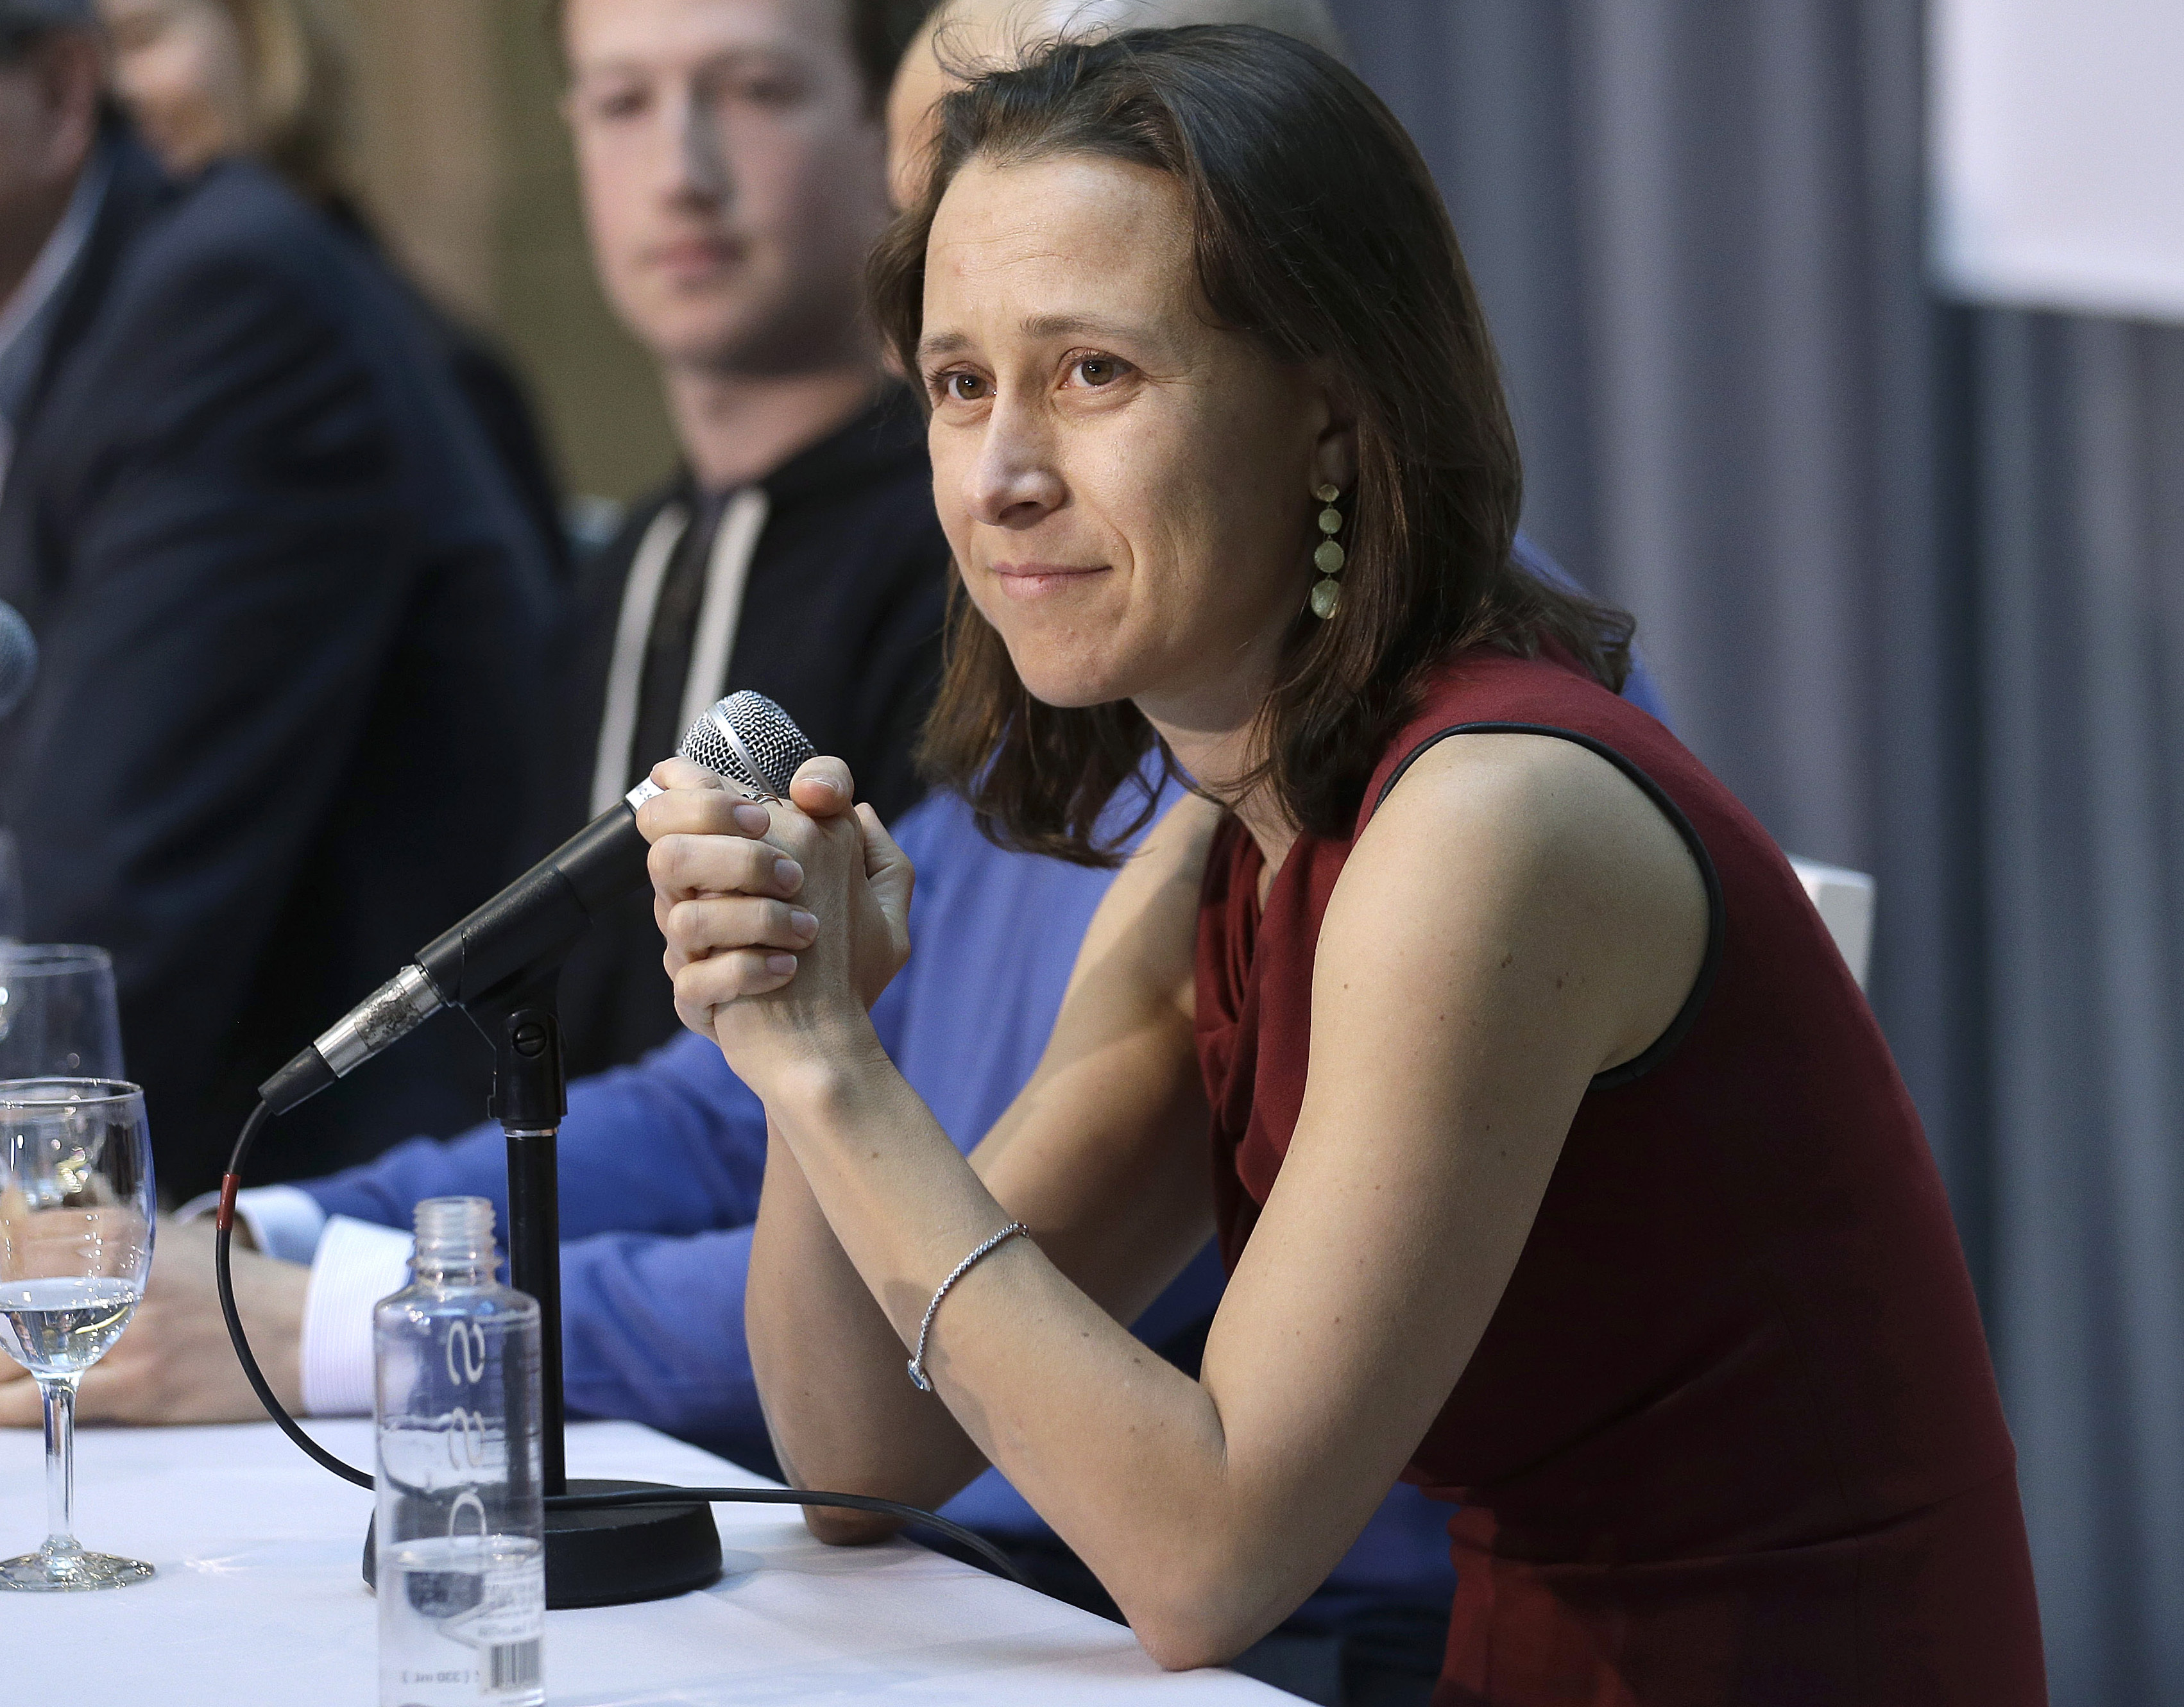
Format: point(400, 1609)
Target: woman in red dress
point(1558, 1163)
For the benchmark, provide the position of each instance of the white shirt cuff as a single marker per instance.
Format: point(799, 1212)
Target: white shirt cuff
point(283, 1222)
point(357, 1265)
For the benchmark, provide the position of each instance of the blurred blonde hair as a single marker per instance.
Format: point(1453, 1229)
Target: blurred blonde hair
point(297, 68)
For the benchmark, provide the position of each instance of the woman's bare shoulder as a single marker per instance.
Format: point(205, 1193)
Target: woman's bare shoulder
point(1511, 799)
point(1490, 844)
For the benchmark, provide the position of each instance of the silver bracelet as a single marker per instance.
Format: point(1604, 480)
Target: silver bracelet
point(917, 1361)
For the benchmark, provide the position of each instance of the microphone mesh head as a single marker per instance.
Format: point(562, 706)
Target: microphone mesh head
point(750, 741)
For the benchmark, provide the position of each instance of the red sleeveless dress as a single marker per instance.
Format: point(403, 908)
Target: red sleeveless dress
point(1732, 1435)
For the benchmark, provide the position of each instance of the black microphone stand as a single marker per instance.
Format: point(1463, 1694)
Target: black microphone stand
point(530, 1097)
point(601, 1555)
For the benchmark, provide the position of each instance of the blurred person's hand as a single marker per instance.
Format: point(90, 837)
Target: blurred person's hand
point(80, 1236)
point(173, 1363)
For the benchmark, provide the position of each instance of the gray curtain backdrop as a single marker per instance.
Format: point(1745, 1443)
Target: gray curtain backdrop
point(1913, 577)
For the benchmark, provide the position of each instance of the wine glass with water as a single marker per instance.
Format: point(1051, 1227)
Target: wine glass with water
point(58, 1017)
point(76, 1215)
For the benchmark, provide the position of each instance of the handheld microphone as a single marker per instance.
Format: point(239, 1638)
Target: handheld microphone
point(746, 738)
point(19, 657)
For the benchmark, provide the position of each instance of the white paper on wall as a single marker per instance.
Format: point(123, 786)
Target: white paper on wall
point(2057, 151)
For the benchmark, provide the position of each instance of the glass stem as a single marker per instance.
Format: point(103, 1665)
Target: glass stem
point(60, 1466)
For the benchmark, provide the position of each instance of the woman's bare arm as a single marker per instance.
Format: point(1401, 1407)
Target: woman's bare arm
point(1102, 1155)
point(1518, 918)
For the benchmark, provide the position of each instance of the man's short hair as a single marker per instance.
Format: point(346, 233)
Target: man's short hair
point(879, 31)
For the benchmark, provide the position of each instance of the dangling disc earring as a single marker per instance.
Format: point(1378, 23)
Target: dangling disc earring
point(1330, 556)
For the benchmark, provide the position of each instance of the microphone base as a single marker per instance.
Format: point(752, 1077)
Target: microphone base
point(619, 1555)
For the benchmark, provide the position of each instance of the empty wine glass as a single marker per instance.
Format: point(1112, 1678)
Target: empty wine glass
point(11, 888)
point(58, 1018)
point(76, 1213)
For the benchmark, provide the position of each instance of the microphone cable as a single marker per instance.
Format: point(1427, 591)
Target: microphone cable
point(224, 1279)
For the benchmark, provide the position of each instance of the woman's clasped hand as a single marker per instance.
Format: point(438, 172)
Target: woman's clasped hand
point(784, 922)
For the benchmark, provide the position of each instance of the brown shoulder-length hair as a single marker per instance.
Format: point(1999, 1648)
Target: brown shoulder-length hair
point(1319, 234)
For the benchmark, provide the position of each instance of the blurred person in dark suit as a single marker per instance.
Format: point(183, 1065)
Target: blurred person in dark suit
point(267, 80)
point(731, 154)
point(291, 611)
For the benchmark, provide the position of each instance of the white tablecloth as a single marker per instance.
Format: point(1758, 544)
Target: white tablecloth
point(259, 1599)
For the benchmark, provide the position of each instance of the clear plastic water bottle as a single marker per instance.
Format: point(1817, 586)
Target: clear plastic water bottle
point(461, 1566)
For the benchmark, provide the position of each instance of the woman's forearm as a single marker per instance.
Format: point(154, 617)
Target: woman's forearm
point(1122, 1453)
point(830, 1368)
